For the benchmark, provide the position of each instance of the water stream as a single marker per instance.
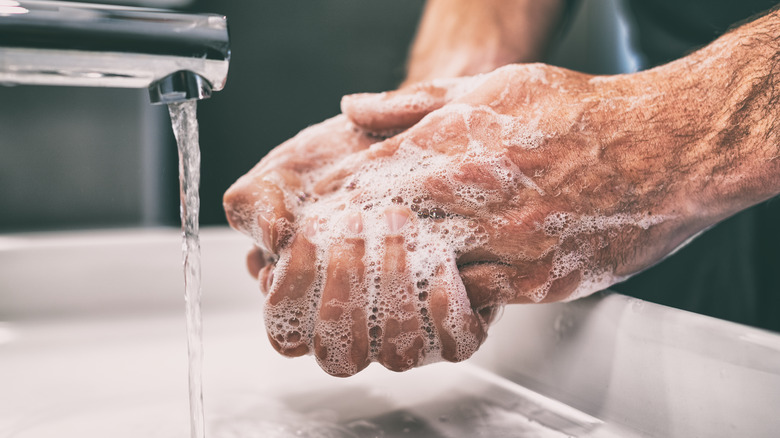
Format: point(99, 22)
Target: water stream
point(185, 128)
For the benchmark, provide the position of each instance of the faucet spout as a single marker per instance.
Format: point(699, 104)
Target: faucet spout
point(176, 56)
point(180, 86)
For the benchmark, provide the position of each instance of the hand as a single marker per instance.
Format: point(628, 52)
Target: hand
point(529, 184)
point(575, 182)
point(331, 297)
point(259, 203)
point(402, 251)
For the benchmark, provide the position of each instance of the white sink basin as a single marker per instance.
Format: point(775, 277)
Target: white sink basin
point(92, 344)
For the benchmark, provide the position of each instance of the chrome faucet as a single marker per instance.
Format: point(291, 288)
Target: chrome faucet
point(176, 56)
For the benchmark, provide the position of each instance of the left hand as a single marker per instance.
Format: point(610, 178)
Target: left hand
point(258, 204)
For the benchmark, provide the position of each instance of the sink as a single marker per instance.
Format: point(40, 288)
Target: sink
point(93, 344)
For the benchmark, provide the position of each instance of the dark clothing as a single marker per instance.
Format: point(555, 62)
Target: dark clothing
point(733, 270)
point(669, 29)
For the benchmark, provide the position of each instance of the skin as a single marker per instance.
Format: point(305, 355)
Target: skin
point(585, 180)
point(462, 37)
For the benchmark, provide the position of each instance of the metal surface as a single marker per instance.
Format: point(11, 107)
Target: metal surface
point(177, 56)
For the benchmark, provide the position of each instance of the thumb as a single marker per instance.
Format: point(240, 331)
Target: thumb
point(389, 112)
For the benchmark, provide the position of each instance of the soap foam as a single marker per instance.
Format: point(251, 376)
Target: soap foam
point(432, 238)
point(568, 226)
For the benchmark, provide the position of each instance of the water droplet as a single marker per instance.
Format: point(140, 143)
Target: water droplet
point(397, 200)
point(437, 214)
point(417, 200)
point(422, 284)
point(414, 207)
point(422, 296)
point(423, 213)
point(375, 332)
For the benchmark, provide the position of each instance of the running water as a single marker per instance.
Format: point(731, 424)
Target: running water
point(185, 128)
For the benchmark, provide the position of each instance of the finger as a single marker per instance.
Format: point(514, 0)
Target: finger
point(399, 337)
point(316, 146)
point(256, 206)
point(341, 334)
point(393, 111)
point(255, 261)
point(266, 279)
point(490, 286)
point(348, 167)
point(458, 329)
point(289, 318)
point(493, 284)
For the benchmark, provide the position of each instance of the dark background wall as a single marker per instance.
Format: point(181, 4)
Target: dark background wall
point(97, 158)
point(292, 62)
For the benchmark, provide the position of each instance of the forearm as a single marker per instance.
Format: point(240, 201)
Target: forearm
point(466, 37)
point(701, 133)
point(741, 149)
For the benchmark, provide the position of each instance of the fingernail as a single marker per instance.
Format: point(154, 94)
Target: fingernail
point(354, 223)
point(266, 222)
point(396, 218)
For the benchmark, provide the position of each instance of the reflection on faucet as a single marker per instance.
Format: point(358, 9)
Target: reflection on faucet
point(176, 56)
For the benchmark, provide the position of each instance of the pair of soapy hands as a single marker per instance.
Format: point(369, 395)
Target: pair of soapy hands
point(395, 231)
